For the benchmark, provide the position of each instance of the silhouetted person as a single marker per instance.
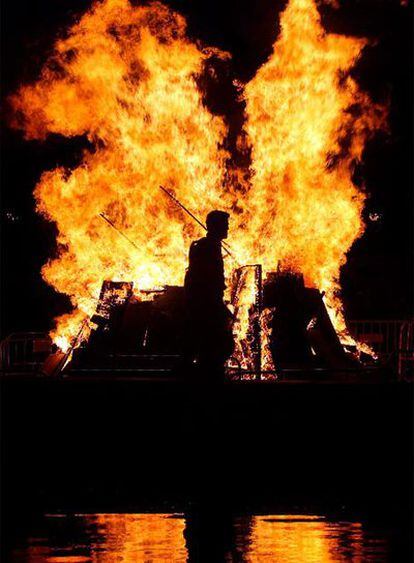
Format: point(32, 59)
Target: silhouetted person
point(210, 534)
point(210, 320)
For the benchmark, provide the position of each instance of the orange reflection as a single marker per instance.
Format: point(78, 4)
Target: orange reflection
point(105, 538)
point(128, 538)
point(139, 537)
point(296, 538)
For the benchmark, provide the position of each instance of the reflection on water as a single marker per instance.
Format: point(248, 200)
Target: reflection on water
point(312, 539)
point(199, 537)
point(107, 538)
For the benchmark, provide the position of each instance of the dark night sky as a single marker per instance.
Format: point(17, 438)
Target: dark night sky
point(377, 280)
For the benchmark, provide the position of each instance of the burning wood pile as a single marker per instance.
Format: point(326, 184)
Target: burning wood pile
point(285, 325)
point(135, 334)
point(127, 78)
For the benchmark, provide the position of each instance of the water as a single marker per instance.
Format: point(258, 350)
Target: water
point(109, 538)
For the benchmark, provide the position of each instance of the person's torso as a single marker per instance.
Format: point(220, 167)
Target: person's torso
point(204, 279)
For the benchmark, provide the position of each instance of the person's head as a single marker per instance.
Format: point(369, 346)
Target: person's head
point(218, 224)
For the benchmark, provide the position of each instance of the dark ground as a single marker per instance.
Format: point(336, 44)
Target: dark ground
point(377, 281)
point(116, 446)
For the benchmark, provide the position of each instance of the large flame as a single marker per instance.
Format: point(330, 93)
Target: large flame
point(126, 77)
point(307, 122)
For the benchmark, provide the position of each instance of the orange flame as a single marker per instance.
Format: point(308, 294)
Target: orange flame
point(125, 77)
point(308, 122)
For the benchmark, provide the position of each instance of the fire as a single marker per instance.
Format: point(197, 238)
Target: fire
point(307, 122)
point(125, 77)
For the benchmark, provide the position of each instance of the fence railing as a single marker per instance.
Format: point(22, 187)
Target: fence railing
point(382, 336)
point(22, 352)
point(392, 340)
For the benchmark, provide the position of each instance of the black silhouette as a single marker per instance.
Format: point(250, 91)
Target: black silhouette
point(210, 336)
point(213, 535)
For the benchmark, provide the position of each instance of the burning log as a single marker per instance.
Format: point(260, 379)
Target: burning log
point(280, 323)
point(246, 298)
point(289, 343)
point(134, 334)
point(302, 332)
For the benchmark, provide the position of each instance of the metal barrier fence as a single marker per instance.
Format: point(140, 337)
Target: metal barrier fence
point(24, 352)
point(390, 339)
point(406, 352)
point(382, 336)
